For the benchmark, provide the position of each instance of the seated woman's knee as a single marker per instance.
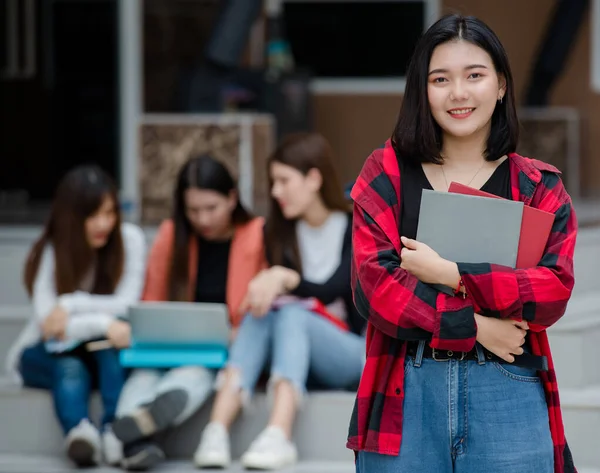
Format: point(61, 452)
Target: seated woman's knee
point(70, 367)
point(229, 378)
point(190, 373)
point(292, 317)
point(146, 376)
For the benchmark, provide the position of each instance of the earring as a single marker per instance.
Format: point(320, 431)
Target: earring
point(500, 99)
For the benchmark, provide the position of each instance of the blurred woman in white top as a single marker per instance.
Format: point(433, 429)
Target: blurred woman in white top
point(81, 274)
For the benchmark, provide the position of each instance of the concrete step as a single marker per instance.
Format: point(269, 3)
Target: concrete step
point(581, 417)
point(45, 464)
point(320, 432)
point(587, 260)
point(12, 261)
point(575, 342)
point(12, 321)
point(54, 464)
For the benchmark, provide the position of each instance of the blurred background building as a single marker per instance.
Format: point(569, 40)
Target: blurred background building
point(138, 85)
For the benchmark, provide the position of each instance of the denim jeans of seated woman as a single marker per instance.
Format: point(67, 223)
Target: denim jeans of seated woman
point(469, 416)
point(37, 366)
point(71, 378)
point(297, 342)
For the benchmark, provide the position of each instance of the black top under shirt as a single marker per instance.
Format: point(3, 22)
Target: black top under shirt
point(211, 278)
point(413, 180)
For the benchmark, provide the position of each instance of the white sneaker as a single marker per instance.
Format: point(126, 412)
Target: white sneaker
point(213, 450)
point(270, 451)
point(83, 444)
point(112, 447)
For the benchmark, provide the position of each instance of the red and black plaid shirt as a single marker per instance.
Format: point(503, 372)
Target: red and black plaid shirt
point(399, 307)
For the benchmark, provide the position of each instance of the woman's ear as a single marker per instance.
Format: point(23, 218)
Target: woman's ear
point(501, 87)
point(315, 179)
point(233, 199)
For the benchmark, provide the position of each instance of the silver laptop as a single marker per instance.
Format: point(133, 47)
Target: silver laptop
point(179, 323)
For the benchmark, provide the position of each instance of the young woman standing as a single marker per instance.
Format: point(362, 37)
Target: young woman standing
point(446, 387)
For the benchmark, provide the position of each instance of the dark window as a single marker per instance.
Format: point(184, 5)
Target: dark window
point(354, 39)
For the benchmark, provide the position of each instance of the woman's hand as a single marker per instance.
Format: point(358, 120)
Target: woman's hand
point(262, 291)
point(289, 277)
point(426, 265)
point(503, 337)
point(119, 334)
point(266, 287)
point(54, 325)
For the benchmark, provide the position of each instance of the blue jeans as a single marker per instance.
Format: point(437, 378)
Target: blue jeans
point(297, 342)
point(71, 378)
point(36, 367)
point(469, 417)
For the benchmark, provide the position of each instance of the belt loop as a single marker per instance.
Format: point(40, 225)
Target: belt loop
point(480, 354)
point(419, 355)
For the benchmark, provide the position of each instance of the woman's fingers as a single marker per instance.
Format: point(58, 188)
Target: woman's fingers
point(508, 357)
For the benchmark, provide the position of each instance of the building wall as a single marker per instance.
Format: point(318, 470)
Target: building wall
point(356, 124)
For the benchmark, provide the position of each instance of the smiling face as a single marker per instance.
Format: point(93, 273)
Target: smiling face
point(463, 88)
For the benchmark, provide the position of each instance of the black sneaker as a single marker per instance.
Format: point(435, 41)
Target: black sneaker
point(151, 418)
point(142, 456)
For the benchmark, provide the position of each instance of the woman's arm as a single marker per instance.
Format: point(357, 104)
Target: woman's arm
point(129, 289)
point(389, 297)
point(396, 302)
point(538, 295)
point(89, 326)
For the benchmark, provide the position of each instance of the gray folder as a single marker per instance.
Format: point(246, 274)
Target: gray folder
point(470, 229)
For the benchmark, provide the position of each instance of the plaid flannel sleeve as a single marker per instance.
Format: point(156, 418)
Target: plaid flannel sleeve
point(397, 303)
point(538, 295)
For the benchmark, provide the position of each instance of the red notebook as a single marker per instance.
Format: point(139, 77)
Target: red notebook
point(535, 228)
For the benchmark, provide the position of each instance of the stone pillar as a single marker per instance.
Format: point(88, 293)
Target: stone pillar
point(242, 142)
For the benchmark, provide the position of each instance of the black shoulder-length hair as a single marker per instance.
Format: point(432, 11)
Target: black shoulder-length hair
point(417, 137)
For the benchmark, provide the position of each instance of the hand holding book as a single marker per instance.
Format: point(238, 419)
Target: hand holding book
point(427, 265)
point(504, 338)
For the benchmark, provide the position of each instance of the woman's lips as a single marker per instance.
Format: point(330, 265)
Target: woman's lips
point(461, 113)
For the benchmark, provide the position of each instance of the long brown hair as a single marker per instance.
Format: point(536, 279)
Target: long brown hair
point(79, 195)
point(302, 151)
point(201, 172)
